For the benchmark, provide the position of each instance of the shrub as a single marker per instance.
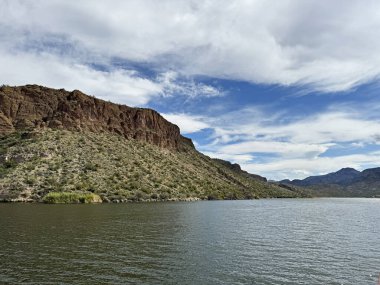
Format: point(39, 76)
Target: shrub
point(31, 180)
point(164, 195)
point(71, 198)
point(54, 167)
point(9, 164)
point(140, 196)
point(90, 167)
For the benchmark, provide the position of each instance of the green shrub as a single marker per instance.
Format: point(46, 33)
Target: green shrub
point(3, 171)
point(137, 196)
point(53, 167)
point(90, 167)
point(164, 195)
point(31, 180)
point(71, 198)
point(9, 164)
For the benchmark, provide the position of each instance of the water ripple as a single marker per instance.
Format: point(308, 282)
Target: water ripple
point(309, 241)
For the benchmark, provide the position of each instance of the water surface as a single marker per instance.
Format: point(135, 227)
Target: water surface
point(280, 241)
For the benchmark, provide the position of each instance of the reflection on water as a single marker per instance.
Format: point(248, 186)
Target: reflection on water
point(284, 241)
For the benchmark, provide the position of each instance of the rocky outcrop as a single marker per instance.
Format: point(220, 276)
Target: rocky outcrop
point(236, 167)
point(34, 106)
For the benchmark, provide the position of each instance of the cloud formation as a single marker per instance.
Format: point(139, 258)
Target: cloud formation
point(300, 168)
point(118, 85)
point(187, 123)
point(326, 47)
point(295, 148)
point(122, 86)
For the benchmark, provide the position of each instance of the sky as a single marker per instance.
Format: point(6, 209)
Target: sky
point(287, 88)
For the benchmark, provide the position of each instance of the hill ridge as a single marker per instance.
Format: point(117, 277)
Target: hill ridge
point(64, 146)
point(34, 106)
point(344, 182)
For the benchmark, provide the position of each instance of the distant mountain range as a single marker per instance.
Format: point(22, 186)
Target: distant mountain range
point(347, 182)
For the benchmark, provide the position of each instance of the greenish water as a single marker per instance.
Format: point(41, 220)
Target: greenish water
point(283, 241)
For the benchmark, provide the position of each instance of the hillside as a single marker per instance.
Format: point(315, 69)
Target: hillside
point(33, 106)
point(68, 142)
point(347, 182)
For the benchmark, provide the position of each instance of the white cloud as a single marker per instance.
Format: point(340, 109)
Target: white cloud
point(300, 168)
point(173, 85)
point(296, 147)
point(284, 149)
point(118, 85)
point(235, 158)
point(114, 84)
point(327, 46)
point(187, 123)
point(326, 127)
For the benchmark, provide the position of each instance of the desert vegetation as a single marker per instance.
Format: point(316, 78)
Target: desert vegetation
point(55, 165)
point(70, 198)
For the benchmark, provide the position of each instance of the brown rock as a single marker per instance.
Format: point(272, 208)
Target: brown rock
point(34, 106)
point(236, 167)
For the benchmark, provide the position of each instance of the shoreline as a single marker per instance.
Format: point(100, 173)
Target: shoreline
point(125, 201)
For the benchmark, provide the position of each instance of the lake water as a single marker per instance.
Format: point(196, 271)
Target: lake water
point(279, 241)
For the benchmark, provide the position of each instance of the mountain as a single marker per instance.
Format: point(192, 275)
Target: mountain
point(236, 168)
point(342, 177)
point(35, 106)
point(60, 146)
point(347, 182)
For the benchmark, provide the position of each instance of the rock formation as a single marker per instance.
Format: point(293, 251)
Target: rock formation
point(34, 106)
point(70, 144)
point(236, 167)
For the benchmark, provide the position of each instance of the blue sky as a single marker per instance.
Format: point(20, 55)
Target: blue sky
point(285, 88)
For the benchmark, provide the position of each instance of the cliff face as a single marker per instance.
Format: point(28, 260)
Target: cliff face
point(74, 144)
point(33, 106)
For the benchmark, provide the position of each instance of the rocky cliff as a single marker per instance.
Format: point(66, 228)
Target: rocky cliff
point(34, 106)
point(71, 147)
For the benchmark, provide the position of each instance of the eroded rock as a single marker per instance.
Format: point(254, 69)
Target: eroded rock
point(34, 106)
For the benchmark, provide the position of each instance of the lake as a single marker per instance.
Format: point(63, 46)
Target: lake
point(274, 241)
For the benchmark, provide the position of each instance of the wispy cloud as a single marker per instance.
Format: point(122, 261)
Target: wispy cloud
point(327, 47)
point(173, 85)
point(236, 158)
point(283, 149)
point(122, 86)
point(187, 123)
point(118, 85)
point(300, 168)
point(291, 146)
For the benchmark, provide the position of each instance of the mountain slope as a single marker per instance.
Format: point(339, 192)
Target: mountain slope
point(51, 142)
point(346, 182)
point(342, 177)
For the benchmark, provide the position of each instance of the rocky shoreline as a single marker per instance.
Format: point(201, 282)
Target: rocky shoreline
point(106, 201)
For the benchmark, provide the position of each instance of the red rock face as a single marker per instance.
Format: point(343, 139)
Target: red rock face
point(33, 106)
